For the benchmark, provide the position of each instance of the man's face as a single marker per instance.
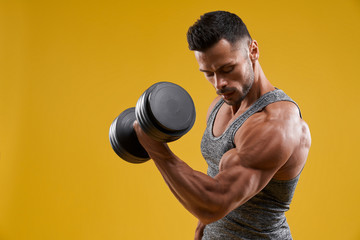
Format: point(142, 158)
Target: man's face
point(229, 69)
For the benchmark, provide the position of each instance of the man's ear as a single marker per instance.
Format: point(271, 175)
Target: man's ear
point(253, 51)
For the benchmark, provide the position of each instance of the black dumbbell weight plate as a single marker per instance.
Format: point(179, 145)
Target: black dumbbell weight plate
point(165, 111)
point(143, 116)
point(123, 138)
point(172, 107)
point(146, 119)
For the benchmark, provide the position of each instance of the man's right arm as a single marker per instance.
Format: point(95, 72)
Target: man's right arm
point(244, 170)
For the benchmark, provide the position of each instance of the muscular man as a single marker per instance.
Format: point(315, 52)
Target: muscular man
point(255, 142)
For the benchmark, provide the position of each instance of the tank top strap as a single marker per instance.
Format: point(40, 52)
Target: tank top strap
point(214, 111)
point(270, 97)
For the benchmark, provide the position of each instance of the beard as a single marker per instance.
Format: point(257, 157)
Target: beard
point(249, 80)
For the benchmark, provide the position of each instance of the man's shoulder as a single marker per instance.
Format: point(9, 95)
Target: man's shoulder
point(277, 119)
point(282, 110)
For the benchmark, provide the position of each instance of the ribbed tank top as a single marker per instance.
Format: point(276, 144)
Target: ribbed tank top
point(263, 216)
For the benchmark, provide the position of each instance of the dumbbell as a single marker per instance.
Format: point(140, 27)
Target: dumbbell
point(165, 111)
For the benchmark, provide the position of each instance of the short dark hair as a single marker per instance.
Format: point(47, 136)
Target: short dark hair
point(214, 26)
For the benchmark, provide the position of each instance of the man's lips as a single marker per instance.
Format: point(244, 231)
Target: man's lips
point(225, 94)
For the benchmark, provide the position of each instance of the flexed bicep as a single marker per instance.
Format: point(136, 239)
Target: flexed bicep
point(247, 169)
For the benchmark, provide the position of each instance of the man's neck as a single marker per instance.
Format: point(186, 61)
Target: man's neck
point(260, 86)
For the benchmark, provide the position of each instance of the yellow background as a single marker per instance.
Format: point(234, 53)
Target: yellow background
point(68, 68)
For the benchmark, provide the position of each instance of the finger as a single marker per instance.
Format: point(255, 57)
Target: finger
point(137, 128)
point(136, 125)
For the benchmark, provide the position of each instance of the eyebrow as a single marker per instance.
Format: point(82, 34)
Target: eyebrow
point(205, 71)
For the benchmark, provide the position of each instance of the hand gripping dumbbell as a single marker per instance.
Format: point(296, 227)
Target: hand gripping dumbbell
point(165, 111)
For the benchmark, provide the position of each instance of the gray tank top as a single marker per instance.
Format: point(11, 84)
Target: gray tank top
point(263, 216)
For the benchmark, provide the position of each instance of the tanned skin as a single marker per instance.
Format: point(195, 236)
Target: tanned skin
point(273, 143)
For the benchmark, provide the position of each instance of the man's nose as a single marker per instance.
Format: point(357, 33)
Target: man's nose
point(220, 82)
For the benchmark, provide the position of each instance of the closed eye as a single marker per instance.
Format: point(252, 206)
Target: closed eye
point(227, 69)
point(209, 74)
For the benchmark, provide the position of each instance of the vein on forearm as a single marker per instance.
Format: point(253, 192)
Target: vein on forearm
point(198, 192)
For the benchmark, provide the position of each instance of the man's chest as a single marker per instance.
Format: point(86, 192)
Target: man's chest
point(224, 119)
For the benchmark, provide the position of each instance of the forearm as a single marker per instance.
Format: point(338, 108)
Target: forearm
point(197, 192)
